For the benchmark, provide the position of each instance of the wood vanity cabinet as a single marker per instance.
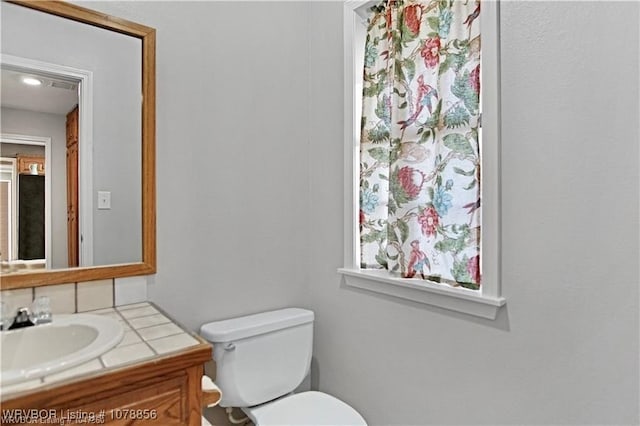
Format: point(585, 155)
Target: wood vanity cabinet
point(162, 391)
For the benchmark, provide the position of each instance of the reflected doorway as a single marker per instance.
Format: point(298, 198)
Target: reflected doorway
point(25, 202)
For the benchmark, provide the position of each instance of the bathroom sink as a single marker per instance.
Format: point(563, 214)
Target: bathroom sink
point(69, 340)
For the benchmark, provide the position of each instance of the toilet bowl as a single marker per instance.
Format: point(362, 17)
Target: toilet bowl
point(305, 408)
point(261, 359)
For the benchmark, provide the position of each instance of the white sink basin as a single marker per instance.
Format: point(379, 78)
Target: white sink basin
point(70, 340)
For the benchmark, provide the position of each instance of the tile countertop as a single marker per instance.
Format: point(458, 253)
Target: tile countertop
point(148, 334)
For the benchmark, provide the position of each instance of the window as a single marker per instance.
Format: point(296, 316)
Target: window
point(399, 277)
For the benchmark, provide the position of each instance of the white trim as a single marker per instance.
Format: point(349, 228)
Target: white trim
point(85, 142)
point(456, 299)
point(46, 142)
point(486, 302)
point(361, 8)
point(490, 168)
point(352, 22)
point(12, 241)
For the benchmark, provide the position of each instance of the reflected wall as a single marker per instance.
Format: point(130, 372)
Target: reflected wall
point(115, 62)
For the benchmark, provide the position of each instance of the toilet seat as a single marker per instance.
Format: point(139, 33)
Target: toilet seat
point(306, 408)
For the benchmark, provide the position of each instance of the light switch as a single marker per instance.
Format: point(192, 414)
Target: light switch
point(104, 200)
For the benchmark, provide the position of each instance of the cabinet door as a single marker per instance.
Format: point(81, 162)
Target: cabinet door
point(72, 126)
point(73, 234)
point(72, 206)
point(163, 403)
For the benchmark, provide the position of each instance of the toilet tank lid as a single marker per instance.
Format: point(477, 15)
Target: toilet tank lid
point(253, 325)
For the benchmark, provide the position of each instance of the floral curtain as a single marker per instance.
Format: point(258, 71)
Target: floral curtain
point(419, 155)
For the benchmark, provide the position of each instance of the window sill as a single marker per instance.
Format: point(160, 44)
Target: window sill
point(455, 299)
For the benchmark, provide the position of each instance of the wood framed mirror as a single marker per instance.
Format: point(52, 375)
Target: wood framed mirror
point(147, 226)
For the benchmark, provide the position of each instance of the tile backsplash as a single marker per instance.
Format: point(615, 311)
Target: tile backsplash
point(80, 297)
point(94, 295)
point(61, 296)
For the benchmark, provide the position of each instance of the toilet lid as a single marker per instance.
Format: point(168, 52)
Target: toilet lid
point(306, 408)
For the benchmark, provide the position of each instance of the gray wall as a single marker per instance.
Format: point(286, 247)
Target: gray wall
point(565, 350)
point(53, 126)
point(254, 219)
point(115, 61)
point(232, 155)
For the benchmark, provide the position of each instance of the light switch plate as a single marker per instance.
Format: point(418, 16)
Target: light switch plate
point(104, 200)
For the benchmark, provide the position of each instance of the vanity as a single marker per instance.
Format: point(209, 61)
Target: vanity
point(153, 376)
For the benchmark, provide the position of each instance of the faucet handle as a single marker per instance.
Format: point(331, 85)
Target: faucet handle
point(22, 315)
point(41, 310)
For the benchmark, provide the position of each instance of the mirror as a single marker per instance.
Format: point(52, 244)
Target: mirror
point(90, 179)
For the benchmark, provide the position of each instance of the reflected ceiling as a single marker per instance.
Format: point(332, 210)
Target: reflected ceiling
point(53, 96)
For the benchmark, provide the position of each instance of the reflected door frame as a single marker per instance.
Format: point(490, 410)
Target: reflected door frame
point(85, 142)
point(10, 166)
point(46, 143)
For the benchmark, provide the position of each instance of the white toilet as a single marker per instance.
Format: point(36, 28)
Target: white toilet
point(261, 359)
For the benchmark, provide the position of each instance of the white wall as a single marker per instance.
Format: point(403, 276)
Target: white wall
point(115, 61)
point(53, 126)
point(250, 211)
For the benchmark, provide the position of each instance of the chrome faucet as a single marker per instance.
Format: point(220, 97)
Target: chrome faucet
point(21, 319)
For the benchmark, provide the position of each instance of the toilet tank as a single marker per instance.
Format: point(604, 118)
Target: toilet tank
point(260, 357)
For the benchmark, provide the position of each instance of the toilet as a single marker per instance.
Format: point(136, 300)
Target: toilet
point(261, 359)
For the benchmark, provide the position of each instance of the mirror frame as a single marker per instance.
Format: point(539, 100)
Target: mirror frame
point(148, 265)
